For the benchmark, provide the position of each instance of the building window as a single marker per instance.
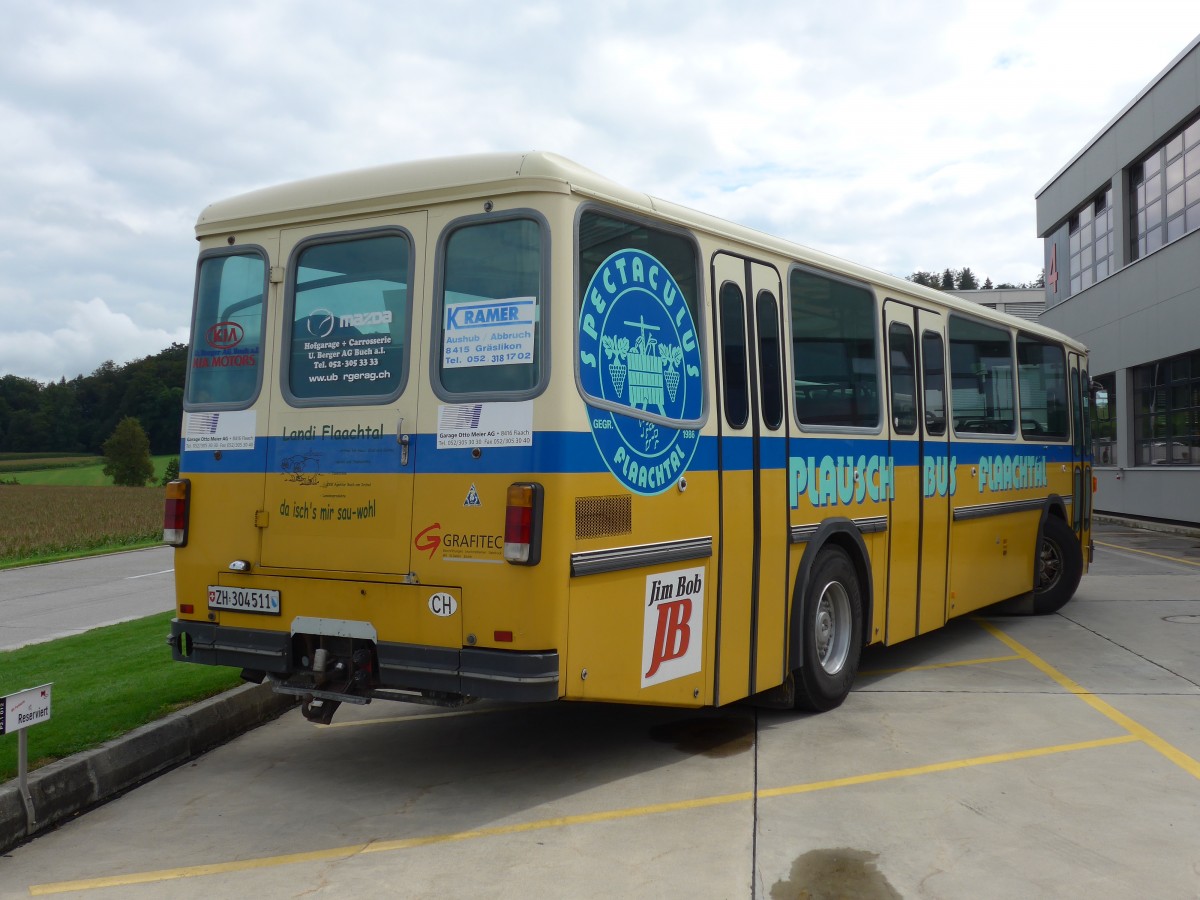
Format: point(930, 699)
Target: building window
point(1091, 242)
point(1166, 420)
point(1165, 192)
point(1104, 421)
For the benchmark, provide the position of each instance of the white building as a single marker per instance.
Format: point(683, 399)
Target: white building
point(1121, 225)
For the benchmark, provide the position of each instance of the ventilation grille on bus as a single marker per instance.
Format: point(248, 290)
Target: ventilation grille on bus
point(603, 516)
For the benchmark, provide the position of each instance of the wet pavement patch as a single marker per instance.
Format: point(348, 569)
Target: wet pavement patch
point(719, 736)
point(833, 875)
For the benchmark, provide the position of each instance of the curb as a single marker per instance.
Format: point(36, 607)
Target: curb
point(1178, 528)
point(72, 785)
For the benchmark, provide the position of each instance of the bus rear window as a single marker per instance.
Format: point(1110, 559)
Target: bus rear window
point(349, 313)
point(225, 364)
point(491, 308)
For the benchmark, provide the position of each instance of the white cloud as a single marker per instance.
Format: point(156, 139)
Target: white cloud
point(903, 136)
point(90, 334)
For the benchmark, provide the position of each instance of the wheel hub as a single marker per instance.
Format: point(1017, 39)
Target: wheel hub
point(831, 628)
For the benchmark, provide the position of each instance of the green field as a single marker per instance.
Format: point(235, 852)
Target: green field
point(106, 682)
point(64, 469)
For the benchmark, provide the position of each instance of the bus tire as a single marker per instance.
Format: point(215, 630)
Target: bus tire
point(830, 632)
point(1059, 567)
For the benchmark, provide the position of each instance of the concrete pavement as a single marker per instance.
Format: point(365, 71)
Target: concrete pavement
point(1000, 757)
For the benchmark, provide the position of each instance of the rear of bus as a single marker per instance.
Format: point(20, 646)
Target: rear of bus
point(383, 479)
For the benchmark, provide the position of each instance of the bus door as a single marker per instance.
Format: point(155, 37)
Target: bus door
point(1081, 469)
point(339, 483)
point(752, 459)
point(919, 507)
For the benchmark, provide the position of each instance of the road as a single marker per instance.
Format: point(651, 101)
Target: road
point(1044, 757)
point(40, 603)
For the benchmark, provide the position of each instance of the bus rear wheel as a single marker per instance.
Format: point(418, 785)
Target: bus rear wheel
point(1059, 567)
point(830, 633)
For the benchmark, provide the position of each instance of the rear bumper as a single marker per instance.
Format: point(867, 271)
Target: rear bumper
point(490, 674)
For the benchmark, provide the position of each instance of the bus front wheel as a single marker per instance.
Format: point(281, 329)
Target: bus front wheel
point(1059, 567)
point(831, 633)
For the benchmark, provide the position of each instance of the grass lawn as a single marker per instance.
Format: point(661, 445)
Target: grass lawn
point(106, 682)
point(86, 471)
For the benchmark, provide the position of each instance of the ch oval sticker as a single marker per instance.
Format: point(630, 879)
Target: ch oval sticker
point(443, 604)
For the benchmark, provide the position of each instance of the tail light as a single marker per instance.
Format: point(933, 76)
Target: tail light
point(523, 524)
point(175, 513)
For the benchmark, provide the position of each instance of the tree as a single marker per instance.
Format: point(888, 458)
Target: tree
point(60, 409)
point(172, 471)
point(127, 454)
point(987, 284)
point(966, 280)
point(928, 279)
point(947, 281)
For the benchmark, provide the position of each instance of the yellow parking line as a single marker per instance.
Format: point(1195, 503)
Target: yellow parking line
point(63, 887)
point(945, 665)
point(243, 865)
point(1141, 732)
point(1186, 562)
point(948, 766)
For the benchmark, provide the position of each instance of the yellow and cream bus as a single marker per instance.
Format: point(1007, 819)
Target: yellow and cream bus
point(498, 427)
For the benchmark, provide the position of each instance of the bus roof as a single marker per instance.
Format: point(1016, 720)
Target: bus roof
point(408, 184)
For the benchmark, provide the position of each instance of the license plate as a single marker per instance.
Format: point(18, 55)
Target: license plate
point(252, 600)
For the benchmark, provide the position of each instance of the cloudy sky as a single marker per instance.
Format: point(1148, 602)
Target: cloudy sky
point(903, 135)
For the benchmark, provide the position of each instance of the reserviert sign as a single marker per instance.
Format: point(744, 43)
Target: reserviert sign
point(25, 708)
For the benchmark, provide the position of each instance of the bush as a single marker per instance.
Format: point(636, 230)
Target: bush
point(172, 471)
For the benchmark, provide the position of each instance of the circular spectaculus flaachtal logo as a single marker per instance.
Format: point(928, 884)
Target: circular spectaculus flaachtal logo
point(638, 350)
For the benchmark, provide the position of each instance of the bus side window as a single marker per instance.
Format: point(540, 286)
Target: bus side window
point(834, 354)
point(933, 368)
point(903, 377)
point(769, 359)
point(981, 372)
point(735, 388)
point(1043, 377)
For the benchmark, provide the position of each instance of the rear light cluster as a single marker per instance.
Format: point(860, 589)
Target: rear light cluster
point(175, 513)
point(523, 524)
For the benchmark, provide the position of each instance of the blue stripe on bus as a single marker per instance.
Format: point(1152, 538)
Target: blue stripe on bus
point(558, 452)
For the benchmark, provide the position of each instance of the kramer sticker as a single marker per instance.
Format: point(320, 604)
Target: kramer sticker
point(489, 332)
point(638, 350)
point(673, 623)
